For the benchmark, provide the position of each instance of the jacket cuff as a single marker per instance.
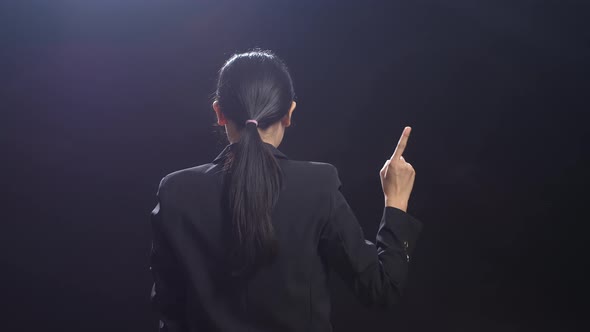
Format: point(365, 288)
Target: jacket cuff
point(405, 227)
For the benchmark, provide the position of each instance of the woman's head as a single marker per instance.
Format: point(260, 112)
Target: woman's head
point(255, 85)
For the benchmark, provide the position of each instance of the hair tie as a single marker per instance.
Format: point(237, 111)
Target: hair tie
point(252, 121)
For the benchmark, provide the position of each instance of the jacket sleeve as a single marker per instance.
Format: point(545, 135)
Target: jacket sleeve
point(168, 294)
point(376, 272)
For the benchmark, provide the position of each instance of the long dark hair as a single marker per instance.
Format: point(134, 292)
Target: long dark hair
point(254, 85)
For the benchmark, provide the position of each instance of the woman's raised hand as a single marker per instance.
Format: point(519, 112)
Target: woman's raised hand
point(397, 176)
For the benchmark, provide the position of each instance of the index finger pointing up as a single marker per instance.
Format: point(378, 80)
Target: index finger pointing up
point(401, 145)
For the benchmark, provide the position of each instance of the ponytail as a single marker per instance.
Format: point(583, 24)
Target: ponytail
point(253, 180)
point(257, 86)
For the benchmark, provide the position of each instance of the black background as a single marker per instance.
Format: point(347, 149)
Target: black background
point(100, 99)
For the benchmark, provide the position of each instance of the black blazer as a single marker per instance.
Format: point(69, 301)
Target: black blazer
point(316, 230)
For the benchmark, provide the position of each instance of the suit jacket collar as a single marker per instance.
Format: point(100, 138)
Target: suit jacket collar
point(273, 150)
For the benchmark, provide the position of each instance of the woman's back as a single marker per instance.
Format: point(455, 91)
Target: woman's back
point(315, 230)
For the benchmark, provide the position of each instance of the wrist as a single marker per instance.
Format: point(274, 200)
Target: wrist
point(398, 204)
